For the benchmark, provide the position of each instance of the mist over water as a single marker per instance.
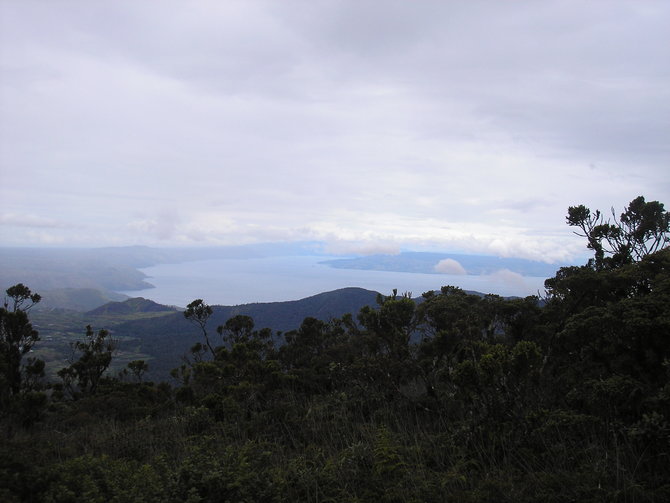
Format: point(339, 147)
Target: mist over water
point(275, 279)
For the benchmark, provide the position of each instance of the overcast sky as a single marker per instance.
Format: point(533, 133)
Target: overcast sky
point(368, 125)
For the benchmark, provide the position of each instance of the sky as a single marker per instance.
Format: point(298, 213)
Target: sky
point(369, 126)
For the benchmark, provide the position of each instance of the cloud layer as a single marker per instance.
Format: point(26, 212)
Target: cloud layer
point(372, 125)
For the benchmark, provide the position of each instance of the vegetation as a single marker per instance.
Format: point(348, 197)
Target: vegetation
point(458, 397)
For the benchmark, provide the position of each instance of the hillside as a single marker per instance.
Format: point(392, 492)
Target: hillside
point(130, 306)
point(169, 337)
point(161, 335)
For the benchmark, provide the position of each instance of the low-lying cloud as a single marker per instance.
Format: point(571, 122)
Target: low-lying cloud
point(450, 266)
point(509, 279)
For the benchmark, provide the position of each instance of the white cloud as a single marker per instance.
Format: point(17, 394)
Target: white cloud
point(450, 266)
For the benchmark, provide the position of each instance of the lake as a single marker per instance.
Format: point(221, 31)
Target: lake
point(243, 281)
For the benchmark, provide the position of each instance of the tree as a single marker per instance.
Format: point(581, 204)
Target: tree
point(17, 338)
point(640, 230)
point(318, 354)
point(236, 330)
point(242, 373)
point(610, 317)
point(198, 313)
point(614, 321)
point(388, 328)
point(96, 356)
point(137, 368)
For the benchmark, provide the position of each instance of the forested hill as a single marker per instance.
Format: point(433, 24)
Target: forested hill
point(279, 316)
point(130, 306)
point(167, 338)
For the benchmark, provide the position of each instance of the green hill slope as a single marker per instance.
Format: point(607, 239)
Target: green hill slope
point(169, 337)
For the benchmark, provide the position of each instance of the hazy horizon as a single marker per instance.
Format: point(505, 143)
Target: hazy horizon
point(373, 127)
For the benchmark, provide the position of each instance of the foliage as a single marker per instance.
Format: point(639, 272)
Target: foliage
point(17, 338)
point(83, 375)
point(20, 375)
point(640, 230)
point(197, 312)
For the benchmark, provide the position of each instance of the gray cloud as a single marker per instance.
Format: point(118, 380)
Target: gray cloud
point(30, 221)
point(424, 124)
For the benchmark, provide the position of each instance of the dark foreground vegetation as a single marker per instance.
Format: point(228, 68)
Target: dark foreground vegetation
point(455, 398)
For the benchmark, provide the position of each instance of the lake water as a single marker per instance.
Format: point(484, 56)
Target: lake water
point(242, 281)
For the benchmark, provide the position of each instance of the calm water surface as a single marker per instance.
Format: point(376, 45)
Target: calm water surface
point(242, 281)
